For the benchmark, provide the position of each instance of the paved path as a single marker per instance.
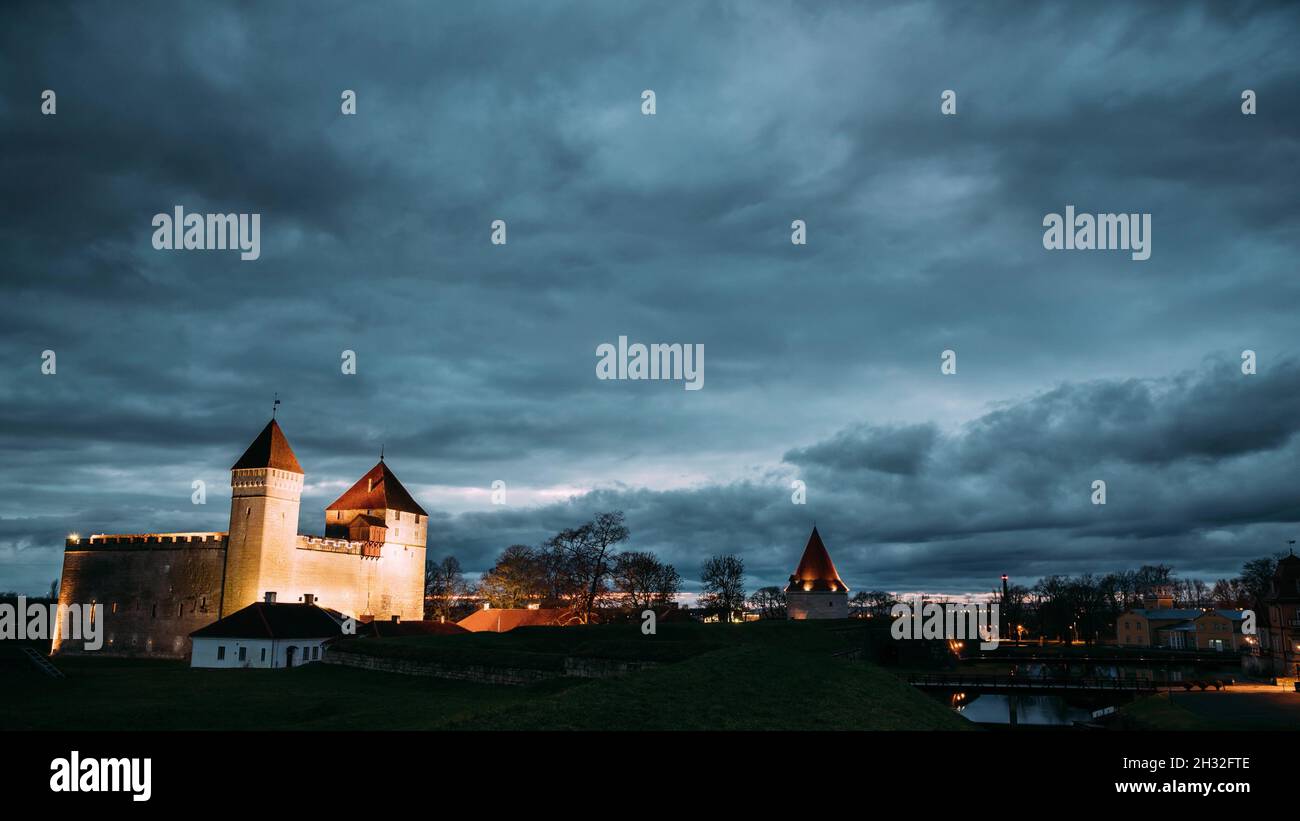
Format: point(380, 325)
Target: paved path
point(1244, 707)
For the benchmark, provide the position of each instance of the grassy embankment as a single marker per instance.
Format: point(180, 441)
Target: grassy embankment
point(774, 675)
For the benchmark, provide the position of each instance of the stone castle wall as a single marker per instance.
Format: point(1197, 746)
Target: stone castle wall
point(357, 578)
point(156, 589)
point(816, 605)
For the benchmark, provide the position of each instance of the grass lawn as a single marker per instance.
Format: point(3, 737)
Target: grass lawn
point(1157, 712)
point(777, 675)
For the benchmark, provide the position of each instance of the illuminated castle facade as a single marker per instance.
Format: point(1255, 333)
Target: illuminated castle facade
point(157, 588)
point(816, 590)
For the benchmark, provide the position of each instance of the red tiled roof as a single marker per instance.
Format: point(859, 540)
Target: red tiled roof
point(500, 620)
point(377, 490)
point(816, 571)
point(269, 450)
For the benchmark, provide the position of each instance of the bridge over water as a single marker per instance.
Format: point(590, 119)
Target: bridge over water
point(1020, 684)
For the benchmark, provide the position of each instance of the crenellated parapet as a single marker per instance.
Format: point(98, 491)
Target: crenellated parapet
point(364, 549)
point(158, 541)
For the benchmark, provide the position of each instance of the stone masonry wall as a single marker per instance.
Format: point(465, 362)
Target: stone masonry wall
point(156, 590)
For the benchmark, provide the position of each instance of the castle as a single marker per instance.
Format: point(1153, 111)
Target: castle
point(157, 588)
point(816, 590)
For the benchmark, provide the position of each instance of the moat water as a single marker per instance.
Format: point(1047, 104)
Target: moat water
point(1054, 709)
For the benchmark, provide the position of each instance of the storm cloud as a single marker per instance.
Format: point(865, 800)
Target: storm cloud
point(476, 362)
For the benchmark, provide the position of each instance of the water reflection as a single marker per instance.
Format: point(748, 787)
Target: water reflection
point(1018, 709)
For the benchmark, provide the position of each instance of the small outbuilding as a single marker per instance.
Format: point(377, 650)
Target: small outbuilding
point(267, 634)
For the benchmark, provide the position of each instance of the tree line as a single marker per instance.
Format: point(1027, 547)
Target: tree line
point(582, 571)
point(1086, 607)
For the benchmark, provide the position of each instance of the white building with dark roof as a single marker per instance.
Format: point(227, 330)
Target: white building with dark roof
point(267, 635)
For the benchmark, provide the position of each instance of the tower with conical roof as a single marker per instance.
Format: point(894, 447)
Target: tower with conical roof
point(816, 590)
point(266, 490)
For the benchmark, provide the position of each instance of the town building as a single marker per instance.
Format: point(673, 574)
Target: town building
point(1281, 645)
point(816, 590)
point(159, 588)
point(1160, 624)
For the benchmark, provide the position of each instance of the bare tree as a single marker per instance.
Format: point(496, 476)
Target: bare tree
point(1230, 593)
point(643, 581)
point(1257, 575)
point(724, 585)
point(589, 551)
point(769, 602)
point(515, 580)
point(874, 603)
point(670, 584)
point(444, 588)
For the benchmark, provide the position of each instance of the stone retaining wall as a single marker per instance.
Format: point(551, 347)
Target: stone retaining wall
point(575, 667)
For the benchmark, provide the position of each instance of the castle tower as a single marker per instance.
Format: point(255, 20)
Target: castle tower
point(379, 512)
point(377, 508)
point(815, 590)
point(266, 489)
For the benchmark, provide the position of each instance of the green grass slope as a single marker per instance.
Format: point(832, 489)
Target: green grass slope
point(752, 676)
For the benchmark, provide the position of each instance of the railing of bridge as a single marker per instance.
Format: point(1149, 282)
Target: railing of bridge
point(989, 681)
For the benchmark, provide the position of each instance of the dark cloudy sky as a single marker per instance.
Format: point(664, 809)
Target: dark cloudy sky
point(477, 362)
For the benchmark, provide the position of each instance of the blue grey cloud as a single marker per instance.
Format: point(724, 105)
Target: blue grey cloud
point(476, 362)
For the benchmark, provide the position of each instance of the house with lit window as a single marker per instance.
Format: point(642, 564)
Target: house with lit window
point(267, 634)
point(1181, 628)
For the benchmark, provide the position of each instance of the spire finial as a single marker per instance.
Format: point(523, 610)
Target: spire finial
point(275, 405)
point(381, 452)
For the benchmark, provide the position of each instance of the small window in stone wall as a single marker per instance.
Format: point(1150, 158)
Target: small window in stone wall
point(221, 652)
point(155, 611)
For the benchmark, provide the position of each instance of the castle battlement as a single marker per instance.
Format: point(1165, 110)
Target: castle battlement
point(100, 541)
point(366, 550)
point(161, 587)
